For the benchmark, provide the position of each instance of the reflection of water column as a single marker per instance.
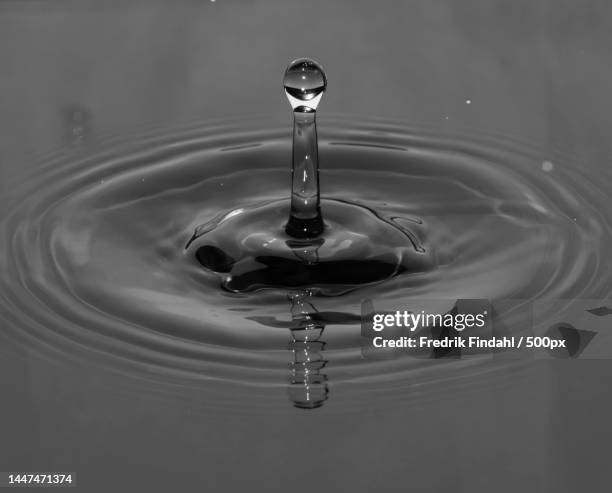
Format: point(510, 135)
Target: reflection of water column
point(307, 386)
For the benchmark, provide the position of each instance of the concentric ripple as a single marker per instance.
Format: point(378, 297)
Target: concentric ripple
point(93, 255)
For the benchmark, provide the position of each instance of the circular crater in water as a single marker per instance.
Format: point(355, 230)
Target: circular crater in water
point(250, 249)
point(94, 256)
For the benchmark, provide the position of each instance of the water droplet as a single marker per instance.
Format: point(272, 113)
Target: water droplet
point(468, 101)
point(548, 166)
point(304, 83)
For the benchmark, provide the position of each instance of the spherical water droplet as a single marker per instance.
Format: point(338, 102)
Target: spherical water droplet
point(304, 83)
point(548, 166)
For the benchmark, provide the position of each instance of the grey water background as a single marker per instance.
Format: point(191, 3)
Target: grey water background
point(73, 71)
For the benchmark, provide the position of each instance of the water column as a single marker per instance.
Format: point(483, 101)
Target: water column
point(305, 83)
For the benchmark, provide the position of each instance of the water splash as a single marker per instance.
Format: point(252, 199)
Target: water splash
point(94, 265)
point(355, 246)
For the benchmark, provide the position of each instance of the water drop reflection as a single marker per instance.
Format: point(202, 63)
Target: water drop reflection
point(308, 387)
point(308, 383)
point(77, 125)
